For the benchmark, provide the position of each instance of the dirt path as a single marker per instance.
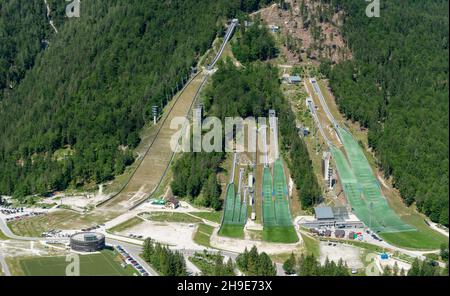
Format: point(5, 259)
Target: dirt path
point(49, 17)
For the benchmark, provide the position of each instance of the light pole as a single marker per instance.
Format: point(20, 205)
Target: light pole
point(155, 113)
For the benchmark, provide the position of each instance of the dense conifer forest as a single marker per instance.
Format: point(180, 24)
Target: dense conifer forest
point(397, 86)
point(24, 31)
point(254, 43)
point(249, 91)
point(76, 114)
point(72, 104)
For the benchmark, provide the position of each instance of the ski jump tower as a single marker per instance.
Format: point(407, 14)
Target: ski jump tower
point(273, 122)
point(327, 169)
point(265, 150)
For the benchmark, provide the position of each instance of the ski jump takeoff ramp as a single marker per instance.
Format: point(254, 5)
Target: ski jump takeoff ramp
point(363, 191)
point(277, 218)
point(235, 209)
point(360, 186)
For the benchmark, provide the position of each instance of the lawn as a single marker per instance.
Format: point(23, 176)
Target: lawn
point(3, 236)
point(127, 224)
point(234, 231)
point(36, 225)
point(311, 245)
point(106, 263)
point(203, 235)
point(424, 238)
point(415, 239)
point(170, 217)
point(210, 216)
point(280, 234)
point(255, 234)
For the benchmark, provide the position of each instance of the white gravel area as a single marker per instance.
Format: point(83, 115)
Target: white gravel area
point(174, 234)
point(349, 254)
point(239, 245)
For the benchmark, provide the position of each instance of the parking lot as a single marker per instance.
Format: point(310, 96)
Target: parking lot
point(14, 214)
point(335, 251)
point(360, 234)
point(57, 233)
point(131, 260)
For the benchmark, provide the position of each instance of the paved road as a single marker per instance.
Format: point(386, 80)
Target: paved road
point(322, 102)
point(135, 251)
point(5, 267)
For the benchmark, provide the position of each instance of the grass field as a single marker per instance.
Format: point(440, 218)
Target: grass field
point(159, 153)
point(210, 216)
point(3, 236)
point(424, 238)
point(170, 217)
point(235, 231)
point(36, 225)
point(280, 234)
point(106, 263)
point(255, 234)
point(203, 235)
point(127, 224)
point(311, 245)
point(415, 239)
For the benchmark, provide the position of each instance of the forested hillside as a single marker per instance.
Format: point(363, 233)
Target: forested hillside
point(254, 43)
point(252, 91)
point(397, 85)
point(91, 91)
point(24, 31)
point(246, 92)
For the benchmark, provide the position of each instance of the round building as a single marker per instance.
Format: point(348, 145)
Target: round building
point(87, 242)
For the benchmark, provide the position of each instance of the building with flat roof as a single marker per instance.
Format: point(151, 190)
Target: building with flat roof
point(325, 216)
point(87, 242)
point(294, 79)
point(323, 213)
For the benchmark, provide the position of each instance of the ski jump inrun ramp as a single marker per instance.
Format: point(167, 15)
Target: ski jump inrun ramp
point(360, 186)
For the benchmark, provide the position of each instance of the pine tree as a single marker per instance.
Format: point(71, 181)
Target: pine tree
point(444, 252)
point(289, 265)
point(218, 266)
point(265, 266)
point(229, 268)
point(242, 260)
point(415, 268)
point(253, 258)
point(445, 270)
point(387, 271)
point(395, 269)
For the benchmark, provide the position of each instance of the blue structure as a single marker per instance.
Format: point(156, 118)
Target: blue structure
point(294, 79)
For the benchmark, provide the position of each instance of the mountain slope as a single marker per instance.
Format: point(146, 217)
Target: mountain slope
point(23, 33)
point(397, 85)
point(91, 91)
